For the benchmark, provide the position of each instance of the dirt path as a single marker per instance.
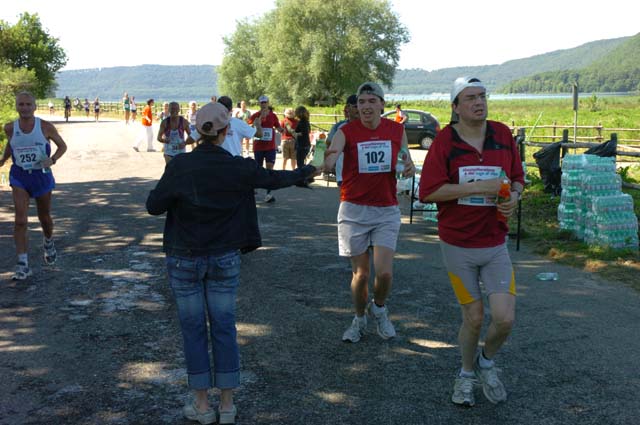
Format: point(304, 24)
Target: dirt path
point(94, 339)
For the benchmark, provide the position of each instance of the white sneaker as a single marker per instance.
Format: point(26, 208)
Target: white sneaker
point(463, 391)
point(204, 418)
point(492, 387)
point(269, 198)
point(383, 324)
point(356, 330)
point(22, 272)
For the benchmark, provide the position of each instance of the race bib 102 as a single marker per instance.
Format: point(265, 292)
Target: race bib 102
point(374, 156)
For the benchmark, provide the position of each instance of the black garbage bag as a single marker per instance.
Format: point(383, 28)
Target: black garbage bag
point(548, 160)
point(607, 148)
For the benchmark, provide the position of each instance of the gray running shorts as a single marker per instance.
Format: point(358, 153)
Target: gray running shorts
point(362, 226)
point(467, 267)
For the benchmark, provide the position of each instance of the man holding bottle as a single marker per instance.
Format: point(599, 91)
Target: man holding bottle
point(462, 174)
point(369, 215)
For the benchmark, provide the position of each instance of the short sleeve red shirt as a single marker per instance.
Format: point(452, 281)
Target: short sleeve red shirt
point(469, 226)
point(268, 140)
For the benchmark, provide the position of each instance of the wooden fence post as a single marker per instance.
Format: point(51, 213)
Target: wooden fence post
point(520, 138)
point(599, 130)
point(565, 139)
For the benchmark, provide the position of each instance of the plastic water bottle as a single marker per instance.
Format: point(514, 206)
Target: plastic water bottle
point(504, 194)
point(403, 156)
point(547, 276)
point(321, 147)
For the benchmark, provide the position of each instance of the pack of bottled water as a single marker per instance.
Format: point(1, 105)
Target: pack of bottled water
point(592, 204)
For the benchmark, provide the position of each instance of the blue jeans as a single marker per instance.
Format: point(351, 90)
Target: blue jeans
point(205, 288)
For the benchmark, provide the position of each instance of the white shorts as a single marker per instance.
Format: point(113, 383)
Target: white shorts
point(362, 226)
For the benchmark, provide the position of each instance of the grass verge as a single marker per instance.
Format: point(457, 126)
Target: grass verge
point(542, 234)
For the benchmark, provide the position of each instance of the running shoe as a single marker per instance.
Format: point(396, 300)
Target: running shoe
point(269, 198)
point(463, 391)
point(135, 148)
point(492, 388)
point(383, 324)
point(204, 418)
point(22, 272)
point(227, 416)
point(356, 330)
point(50, 254)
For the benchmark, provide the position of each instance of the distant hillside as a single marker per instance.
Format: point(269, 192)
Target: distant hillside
point(180, 83)
point(617, 71)
point(199, 82)
point(419, 81)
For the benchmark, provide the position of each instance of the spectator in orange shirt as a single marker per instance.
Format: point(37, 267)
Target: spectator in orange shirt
point(401, 117)
point(147, 121)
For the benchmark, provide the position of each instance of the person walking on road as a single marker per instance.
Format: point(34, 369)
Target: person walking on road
point(172, 133)
point(133, 108)
point(192, 112)
point(289, 124)
point(86, 106)
point(244, 114)
point(67, 108)
point(462, 174)
point(126, 106)
point(96, 109)
point(368, 215)
point(147, 125)
point(30, 176)
point(264, 148)
point(302, 132)
point(211, 219)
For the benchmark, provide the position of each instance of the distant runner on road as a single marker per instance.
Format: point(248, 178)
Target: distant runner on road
point(172, 133)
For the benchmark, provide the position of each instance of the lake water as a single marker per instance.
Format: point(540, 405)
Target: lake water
point(500, 96)
point(390, 97)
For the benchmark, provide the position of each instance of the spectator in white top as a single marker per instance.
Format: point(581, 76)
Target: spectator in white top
point(238, 129)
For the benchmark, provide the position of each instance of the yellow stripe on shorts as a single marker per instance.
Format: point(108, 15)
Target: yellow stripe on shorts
point(464, 297)
point(512, 286)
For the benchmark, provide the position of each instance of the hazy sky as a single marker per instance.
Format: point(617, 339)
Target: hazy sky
point(443, 34)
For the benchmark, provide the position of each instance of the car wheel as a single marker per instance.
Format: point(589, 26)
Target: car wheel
point(426, 141)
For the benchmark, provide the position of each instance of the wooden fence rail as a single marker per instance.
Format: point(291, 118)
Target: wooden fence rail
point(599, 131)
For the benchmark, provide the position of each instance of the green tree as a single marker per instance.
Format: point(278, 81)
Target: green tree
point(26, 45)
point(313, 50)
point(12, 80)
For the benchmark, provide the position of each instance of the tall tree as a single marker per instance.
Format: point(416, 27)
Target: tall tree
point(313, 50)
point(26, 45)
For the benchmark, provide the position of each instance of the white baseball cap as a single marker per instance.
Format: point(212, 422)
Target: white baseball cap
point(462, 83)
